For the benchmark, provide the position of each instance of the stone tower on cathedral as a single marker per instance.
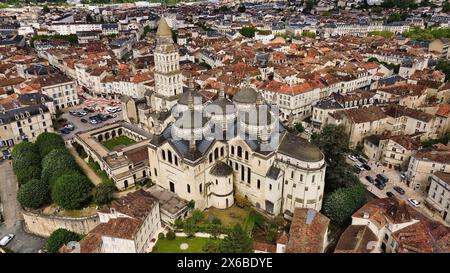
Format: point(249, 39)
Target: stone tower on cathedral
point(168, 82)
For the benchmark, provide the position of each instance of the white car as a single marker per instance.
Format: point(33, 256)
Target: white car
point(414, 202)
point(93, 121)
point(113, 109)
point(6, 239)
point(352, 157)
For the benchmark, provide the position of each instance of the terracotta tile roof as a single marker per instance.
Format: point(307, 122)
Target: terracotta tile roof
point(362, 115)
point(264, 247)
point(137, 155)
point(308, 231)
point(433, 156)
point(136, 204)
point(396, 111)
point(443, 110)
point(356, 239)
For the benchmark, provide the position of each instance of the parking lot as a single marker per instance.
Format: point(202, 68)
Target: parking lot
point(80, 126)
point(394, 180)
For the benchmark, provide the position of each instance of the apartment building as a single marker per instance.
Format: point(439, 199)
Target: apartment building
point(61, 89)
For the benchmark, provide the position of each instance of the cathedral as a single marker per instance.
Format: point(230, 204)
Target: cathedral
point(211, 150)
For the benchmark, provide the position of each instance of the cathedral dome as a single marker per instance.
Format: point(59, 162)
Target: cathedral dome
point(246, 95)
point(191, 120)
point(197, 97)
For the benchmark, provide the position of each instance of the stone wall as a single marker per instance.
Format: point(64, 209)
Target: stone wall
point(44, 225)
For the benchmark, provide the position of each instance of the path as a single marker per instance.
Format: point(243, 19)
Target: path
point(88, 171)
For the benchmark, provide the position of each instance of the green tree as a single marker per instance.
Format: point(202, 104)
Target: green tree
point(299, 127)
point(197, 216)
point(57, 162)
point(46, 142)
point(59, 238)
point(34, 194)
point(248, 32)
point(28, 173)
point(211, 247)
point(444, 66)
point(24, 159)
point(237, 241)
point(334, 142)
point(342, 203)
point(72, 190)
point(446, 7)
point(189, 227)
point(103, 193)
point(45, 9)
point(24, 147)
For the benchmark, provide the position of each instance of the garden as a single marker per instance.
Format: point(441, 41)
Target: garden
point(50, 179)
point(117, 142)
point(184, 245)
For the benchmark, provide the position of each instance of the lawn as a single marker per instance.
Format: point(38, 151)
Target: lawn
point(229, 217)
point(118, 141)
point(195, 245)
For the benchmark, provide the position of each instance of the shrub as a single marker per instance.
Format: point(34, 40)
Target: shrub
point(241, 201)
point(216, 221)
point(59, 238)
point(71, 190)
point(34, 194)
point(103, 193)
point(24, 147)
point(80, 150)
point(161, 236)
point(197, 216)
point(171, 235)
point(211, 247)
point(47, 142)
point(178, 223)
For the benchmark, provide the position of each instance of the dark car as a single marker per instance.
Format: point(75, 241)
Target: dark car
point(62, 120)
point(90, 110)
point(370, 179)
point(83, 120)
point(65, 131)
point(362, 159)
point(367, 167)
point(399, 190)
point(102, 117)
point(356, 169)
point(383, 178)
point(389, 194)
point(379, 186)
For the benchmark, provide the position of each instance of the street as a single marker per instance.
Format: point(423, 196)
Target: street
point(23, 242)
point(394, 180)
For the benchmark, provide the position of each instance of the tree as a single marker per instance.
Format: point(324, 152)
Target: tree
point(241, 8)
point(189, 227)
point(171, 235)
point(342, 203)
point(34, 194)
point(334, 142)
point(248, 32)
point(103, 193)
point(28, 173)
point(24, 147)
point(57, 162)
point(197, 216)
point(299, 127)
point(241, 201)
point(446, 7)
point(46, 142)
point(178, 223)
point(46, 9)
point(25, 159)
point(71, 190)
point(237, 241)
point(444, 66)
point(211, 247)
point(309, 5)
point(59, 238)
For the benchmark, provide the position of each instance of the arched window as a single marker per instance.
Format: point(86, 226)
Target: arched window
point(176, 160)
point(217, 182)
point(258, 184)
point(239, 151)
point(210, 158)
point(232, 150)
point(222, 151)
point(246, 155)
point(163, 154)
point(216, 153)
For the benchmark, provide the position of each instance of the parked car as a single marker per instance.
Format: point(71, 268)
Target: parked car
point(6, 239)
point(360, 166)
point(399, 190)
point(370, 179)
point(352, 157)
point(362, 159)
point(90, 110)
point(414, 202)
point(367, 167)
point(402, 176)
point(93, 121)
point(83, 120)
point(65, 131)
point(69, 126)
point(62, 120)
point(356, 169)
point(102, 117)
point(111, 109)
point(379, 186)
point(390, 194)
point(383, 178)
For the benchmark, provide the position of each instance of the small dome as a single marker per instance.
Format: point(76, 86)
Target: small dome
point(246, 95)
point(221, 169)
point(298, 147)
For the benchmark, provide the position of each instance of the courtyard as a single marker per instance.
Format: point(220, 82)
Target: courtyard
point(118, 142)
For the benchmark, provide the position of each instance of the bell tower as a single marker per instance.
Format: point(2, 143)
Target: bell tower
point(168, 82)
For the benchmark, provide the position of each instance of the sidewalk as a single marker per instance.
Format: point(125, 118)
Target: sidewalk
point(85, 167)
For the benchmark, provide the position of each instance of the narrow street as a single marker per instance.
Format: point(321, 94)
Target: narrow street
point(23, 242)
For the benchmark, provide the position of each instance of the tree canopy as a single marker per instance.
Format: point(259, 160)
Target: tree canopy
point(71, 190)
point(59, 238)
point(237, 241)
point(57, 162)
point(46, 142)
point(34, 194)
point(103, 193)
point(342, 203)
